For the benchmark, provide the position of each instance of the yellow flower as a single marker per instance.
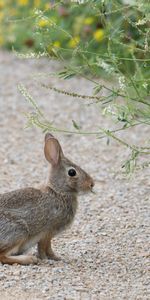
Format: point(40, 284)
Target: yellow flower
point(88, 21)
point(131, 48)
point(2, 4)
point(56, 44)
point(47, 6)
point(1, 40)
point(99, 35)
point(37, 3)
point(23, 2)
point(1, 16)
point(51, 49)
point(43, 22)
point(74, 42)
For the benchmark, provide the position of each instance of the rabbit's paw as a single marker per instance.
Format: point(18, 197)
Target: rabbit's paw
point(31, 259)
point(52, 256)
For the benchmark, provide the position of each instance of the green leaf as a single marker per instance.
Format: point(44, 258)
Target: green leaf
point(66, 74)
point(75, 125)
point(97, 89)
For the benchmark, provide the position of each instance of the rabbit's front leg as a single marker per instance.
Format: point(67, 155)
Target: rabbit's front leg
point(45, 249)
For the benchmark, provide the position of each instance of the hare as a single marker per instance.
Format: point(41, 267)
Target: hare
point(29, 216)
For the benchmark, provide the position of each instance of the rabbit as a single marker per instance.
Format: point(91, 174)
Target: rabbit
point(32, 216)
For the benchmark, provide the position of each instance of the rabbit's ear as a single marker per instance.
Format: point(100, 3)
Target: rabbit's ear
point(48, 135)
point(52, 150)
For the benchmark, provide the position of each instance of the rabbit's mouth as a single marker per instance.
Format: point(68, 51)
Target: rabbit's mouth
point(86, 189)
point(84, 192)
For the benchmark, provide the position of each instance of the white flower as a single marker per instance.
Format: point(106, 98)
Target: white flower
point(145, 85)
point(109, 110)
point(105, 66)
point(122, 82)
point(141, 21)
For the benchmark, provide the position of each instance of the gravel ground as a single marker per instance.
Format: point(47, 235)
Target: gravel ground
point(105, 252)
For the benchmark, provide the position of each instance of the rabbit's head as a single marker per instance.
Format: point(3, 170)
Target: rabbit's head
point(65, 176)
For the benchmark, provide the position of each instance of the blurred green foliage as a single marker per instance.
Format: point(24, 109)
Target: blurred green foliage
point(87, 32)
point(93, 39)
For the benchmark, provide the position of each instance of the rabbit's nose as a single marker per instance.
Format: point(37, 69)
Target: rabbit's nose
point(92, 184)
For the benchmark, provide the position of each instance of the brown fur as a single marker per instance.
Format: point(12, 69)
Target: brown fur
point(30, 216)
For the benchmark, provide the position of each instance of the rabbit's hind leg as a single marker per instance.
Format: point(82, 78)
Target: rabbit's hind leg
point(18, 259)
point(9, 256)
point(13, 233)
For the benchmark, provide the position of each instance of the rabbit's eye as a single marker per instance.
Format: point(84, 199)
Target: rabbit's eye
point(72, 172)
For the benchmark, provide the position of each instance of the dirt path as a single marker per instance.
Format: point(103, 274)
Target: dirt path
point(105, 253)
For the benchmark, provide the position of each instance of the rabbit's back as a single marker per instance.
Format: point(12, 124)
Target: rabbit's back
point(40, 210)
point(17, 198)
